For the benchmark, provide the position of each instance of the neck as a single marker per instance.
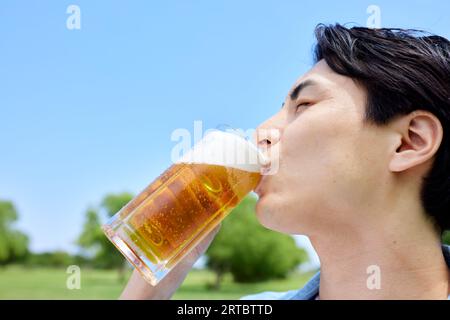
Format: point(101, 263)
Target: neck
point(383, 258)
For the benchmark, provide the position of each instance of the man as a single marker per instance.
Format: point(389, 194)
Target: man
point(364, 169)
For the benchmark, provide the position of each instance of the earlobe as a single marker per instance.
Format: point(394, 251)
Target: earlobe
point(419, 137)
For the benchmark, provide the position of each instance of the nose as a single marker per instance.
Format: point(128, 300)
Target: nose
point(267, 137)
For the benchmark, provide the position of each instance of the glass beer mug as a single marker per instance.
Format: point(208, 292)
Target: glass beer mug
point(163, 223)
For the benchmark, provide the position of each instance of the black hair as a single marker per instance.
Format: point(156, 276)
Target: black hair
point(402, 70)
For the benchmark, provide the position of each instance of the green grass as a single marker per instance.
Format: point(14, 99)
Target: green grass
point(17, 282)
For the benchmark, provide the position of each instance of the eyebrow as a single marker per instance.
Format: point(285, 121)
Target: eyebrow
point(302, 85)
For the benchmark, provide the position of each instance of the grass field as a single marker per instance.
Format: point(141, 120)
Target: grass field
point(17, 282)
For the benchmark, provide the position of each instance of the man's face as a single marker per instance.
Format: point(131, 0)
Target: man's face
point(330, 160)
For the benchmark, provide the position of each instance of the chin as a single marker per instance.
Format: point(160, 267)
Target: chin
point(265, 209)
point(261, 210)
point(272, 213)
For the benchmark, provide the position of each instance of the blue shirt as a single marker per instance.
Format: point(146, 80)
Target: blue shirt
point(311, 288)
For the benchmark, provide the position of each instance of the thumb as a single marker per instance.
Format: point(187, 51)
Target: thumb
point(204, 244)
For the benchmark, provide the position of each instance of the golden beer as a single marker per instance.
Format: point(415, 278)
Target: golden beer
point(165, 221)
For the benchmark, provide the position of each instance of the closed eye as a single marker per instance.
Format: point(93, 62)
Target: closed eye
point(303, 104)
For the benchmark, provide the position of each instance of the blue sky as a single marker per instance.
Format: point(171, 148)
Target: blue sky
point(88, 112)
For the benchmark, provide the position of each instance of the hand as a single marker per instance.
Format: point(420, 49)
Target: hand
point(138, 289)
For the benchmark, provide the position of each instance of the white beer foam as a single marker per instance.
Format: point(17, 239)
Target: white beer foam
point(225, 149)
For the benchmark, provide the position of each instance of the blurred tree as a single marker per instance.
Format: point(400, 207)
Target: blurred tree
point(92, 238)
point(13, 243)
point(446, 237)
point(50, 259)
point(250, 251)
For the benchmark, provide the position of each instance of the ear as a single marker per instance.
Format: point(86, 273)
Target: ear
point(418, 137)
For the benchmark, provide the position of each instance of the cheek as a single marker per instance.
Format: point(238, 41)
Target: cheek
point(318, 158)
point(311, 150)
point(323, 165)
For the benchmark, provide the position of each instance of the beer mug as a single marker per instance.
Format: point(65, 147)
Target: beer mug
point(164, 222)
